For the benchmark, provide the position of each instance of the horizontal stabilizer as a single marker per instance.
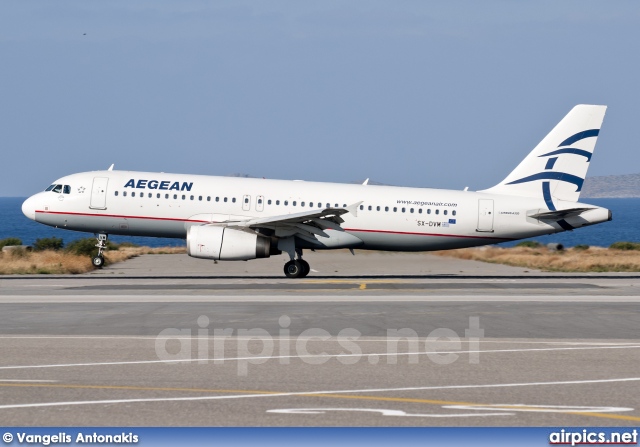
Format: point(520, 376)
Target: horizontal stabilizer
point(560, 214)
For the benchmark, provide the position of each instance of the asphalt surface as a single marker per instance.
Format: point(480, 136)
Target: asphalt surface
point(160, 340)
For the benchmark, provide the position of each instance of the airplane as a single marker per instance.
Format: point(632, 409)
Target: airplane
point(225, 218)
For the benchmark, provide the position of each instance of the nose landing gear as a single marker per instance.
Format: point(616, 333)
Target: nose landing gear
point(98, 260)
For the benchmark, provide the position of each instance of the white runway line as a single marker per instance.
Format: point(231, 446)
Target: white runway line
point(474, 295)
point(310, 393)
point(363, 355)
point(385, 412)
point(27, 381)
point(380, 339)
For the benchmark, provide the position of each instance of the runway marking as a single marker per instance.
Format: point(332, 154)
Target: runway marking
point(23, 381)
point(338, 394)
point(355, 281)
point(541, 408)
point(384, 412)
point(363, 286)
point(480, 295)
point(277, 338)
point(383, 354)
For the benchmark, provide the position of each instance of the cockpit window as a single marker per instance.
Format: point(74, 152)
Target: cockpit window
point(67, 189)
point(50, 188)
point(57, 188)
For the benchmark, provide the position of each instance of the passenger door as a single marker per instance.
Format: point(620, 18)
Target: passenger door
point(99, 193)
point(485, 215)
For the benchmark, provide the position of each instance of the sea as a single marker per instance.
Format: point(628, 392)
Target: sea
point(623, 227)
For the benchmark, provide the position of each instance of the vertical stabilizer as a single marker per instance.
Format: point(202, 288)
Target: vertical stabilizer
point(558, 165)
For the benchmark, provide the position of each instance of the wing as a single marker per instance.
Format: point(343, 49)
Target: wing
point(305, 225)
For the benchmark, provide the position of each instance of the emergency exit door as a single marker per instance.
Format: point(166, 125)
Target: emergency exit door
point(246, 203)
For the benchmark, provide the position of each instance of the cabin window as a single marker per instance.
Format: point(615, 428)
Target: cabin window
point(403, 210)
point(337, 206)
point(386, 208)
point(67, 189)
point(133, 194)
point(437, 211)
point(200, 198)
point(286, 202)
point(233, 200)
point(259, 201)
point(184, 197)
point(124, 193)
point(116, 193)
point(269, 202)
point(362, 207)
point(294, 203)
point(150, 195)
point(277, 202)
point(377, 208)
point(217, 199)
point(370, 207)
point(225, 200)
point(445, 212)
point(301, 203)
point(246, 200)
point(166, 196)
point(395, 209)
point(175, 196)
point(453, 212)
point(429, 211)
point(411, 210)
point(191, 198)
point(208, 198)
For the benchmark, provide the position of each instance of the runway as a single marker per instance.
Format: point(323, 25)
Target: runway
point(163, 345)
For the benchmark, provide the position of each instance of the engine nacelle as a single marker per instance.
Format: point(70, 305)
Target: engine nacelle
point(226, 244)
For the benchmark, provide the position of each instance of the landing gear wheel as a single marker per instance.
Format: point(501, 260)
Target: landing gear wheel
point(98, 261)
point(293, 269)
point(306, 268)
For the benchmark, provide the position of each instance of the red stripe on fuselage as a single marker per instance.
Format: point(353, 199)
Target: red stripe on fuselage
point(117, 216)
point(204, 221)
point(428, 234)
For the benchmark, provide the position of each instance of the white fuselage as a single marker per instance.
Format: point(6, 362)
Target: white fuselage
point(389, 218)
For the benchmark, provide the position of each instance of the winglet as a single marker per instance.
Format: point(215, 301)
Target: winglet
point(111, 167)
point(366, 182)
point(353, 209)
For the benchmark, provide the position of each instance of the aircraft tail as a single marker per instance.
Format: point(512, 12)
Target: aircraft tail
point(558, 165)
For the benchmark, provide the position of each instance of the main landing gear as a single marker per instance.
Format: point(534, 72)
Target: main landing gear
point(98, 260)
point(297, 268)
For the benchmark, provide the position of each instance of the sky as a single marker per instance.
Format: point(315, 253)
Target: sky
point(439, 94)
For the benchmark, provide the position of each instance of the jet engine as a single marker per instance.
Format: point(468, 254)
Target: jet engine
point(226, 244)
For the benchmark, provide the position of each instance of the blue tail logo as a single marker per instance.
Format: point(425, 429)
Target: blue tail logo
point(549, 174)
point(562, 176)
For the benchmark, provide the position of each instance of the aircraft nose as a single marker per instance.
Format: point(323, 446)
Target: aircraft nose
point(29, 208)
